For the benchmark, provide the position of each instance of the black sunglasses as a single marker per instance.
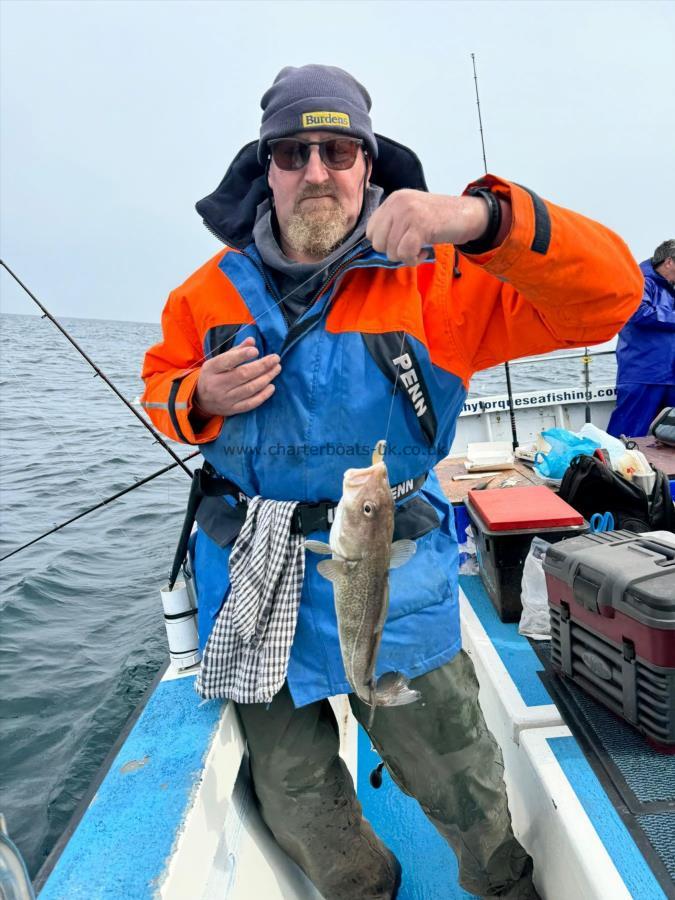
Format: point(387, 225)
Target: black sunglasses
point(291, 154)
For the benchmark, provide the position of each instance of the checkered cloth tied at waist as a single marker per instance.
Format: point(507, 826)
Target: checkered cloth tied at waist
point(246, 655)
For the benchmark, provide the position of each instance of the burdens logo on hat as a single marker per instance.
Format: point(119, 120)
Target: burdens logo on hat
point(316, 119)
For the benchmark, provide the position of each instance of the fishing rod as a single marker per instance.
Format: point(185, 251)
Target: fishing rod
point(106, 502)
point(507, 371)
point(46, 314)
point(586, 361)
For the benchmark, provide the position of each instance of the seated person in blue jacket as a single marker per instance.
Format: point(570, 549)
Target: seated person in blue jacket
point(645, 353)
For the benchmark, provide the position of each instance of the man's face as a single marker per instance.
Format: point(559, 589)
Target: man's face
point(317, 207)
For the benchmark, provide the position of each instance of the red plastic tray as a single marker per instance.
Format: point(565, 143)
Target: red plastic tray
point(512, 509)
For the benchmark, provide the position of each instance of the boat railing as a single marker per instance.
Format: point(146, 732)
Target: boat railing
point(547, 358)
point(519, 405)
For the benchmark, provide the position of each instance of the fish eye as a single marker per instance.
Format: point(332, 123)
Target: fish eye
point(368, 508)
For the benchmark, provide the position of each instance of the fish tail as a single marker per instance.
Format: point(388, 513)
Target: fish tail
point(393, 689)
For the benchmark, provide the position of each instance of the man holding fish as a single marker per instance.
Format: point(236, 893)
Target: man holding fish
point(351, 306)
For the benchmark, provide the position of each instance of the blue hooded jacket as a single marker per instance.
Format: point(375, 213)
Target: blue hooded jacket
point(557, 280)
point(645, 351)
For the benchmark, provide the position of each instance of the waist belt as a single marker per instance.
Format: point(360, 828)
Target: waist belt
point(307, 518)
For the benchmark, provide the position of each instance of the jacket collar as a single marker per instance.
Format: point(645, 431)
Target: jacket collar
point(230, 211)
point(649, 271)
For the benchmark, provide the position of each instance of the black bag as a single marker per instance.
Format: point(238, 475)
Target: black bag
point(591, 486)
point(663, 426)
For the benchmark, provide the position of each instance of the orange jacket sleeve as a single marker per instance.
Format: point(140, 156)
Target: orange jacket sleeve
point(557, 280)
point(171, 370)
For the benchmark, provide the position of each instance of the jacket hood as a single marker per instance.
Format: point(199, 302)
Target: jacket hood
point(230, 211)
point(647, 268)
point(649, 271)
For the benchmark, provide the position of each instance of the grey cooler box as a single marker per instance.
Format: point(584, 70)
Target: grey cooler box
point(612, 604)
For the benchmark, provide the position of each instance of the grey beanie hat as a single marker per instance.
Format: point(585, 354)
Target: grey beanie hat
point(663, 251)
point(316, 98)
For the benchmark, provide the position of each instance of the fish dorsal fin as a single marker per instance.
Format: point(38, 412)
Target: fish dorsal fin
point(401, 551)
point(332, 569)
point(318, 547)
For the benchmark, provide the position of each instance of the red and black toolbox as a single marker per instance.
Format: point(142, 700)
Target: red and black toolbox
point(504, 522)
point(612, 603)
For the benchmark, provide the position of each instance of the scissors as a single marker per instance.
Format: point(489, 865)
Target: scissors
point(602, 522)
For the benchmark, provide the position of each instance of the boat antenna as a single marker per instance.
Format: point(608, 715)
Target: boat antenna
point(98, 372)
point(507, 370)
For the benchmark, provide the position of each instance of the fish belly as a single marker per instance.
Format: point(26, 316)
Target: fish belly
point(361, 602)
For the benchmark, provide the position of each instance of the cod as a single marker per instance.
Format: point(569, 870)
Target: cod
point(362, 554)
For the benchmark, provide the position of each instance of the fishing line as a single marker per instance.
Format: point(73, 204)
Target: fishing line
point(336, 262)
point(99, 372)
point(507, 371)
point(393, 393)
point(76, 467)
point(105, 502)
point(364, 244)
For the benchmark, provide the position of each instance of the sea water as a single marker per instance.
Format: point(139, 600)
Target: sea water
point(81, 630)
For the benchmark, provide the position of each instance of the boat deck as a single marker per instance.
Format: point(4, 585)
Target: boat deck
point(178, 817)
point(562, 812)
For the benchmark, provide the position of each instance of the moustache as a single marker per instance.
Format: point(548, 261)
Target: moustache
point(315, 190)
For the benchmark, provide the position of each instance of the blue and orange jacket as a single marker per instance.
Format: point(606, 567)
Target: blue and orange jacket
point(645, 351)
point(558, 280)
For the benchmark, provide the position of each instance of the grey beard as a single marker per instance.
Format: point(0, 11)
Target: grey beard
point(314, 236)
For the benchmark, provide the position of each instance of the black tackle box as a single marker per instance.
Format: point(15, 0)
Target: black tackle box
point(505, 520)
point(612, 604)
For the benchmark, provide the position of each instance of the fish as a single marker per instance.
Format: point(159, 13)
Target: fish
point(360, 543)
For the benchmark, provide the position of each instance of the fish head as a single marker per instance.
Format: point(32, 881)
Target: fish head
point(364, 518)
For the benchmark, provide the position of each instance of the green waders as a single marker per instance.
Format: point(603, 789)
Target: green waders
point(438, 750)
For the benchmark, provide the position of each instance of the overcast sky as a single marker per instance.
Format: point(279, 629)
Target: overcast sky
point(118, 116)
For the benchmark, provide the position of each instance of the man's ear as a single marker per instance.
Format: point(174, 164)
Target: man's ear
point(369, 168)
point(270, 192)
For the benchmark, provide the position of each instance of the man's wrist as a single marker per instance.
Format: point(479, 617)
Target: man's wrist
point(490, 222)
point(197, 416)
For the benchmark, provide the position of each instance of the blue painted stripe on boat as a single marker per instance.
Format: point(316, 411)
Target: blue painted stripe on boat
point(513, 649)
point(124, 840)
point(625, 854)
point(429, 865)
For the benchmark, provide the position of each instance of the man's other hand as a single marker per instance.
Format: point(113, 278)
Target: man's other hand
point(235, 381)
point(410, 220)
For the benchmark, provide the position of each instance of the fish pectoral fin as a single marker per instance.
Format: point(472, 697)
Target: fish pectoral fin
point(401, 552)
point(318, 547)
point(332, 569)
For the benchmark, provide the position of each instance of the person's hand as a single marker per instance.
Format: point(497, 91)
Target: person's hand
point(235, 381)
point(409, 220)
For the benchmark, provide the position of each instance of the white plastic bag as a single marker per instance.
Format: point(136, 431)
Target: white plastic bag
point(468, 557)
point(535, 620)
point(612, 445)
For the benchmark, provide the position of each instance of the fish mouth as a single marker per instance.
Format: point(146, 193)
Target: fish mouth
point(356, 478)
